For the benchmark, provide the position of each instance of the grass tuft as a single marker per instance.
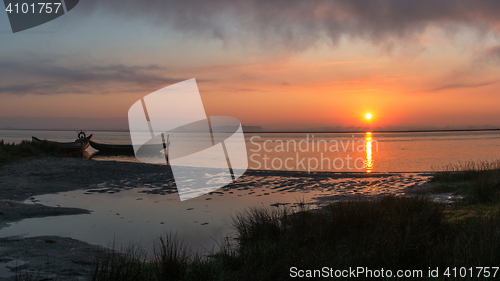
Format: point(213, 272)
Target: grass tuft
point(467, 166)
point(14, 152)
point(127, 264)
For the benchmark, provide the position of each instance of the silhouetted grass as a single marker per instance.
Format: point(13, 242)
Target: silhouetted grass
point(390, 233)
point(171, 260)
point(13, 152)
point(480, 165)
point(479, 181)
point(465, 171)
point(128, 264)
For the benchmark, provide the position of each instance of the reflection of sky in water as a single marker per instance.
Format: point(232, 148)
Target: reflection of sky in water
point(383, 152)
point(391, 152)
point(121, 212)
point(130, 216)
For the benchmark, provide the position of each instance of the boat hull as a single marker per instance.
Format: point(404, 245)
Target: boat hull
point(69, 146)
point(115, 149)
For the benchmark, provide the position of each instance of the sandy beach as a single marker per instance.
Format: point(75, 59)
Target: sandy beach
point(24, 180)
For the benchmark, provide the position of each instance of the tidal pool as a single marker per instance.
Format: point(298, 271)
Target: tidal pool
point(138, 215)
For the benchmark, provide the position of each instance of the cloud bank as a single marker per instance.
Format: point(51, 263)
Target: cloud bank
point(285, 25)
point(299, 23)
point(48, 77)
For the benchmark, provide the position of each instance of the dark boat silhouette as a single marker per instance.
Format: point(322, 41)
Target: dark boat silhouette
point(69, 146)
point(114, 149)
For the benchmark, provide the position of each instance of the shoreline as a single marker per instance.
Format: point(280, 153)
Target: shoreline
point(31, 177)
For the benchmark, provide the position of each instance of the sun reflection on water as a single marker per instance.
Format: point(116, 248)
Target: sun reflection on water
point(369, 159)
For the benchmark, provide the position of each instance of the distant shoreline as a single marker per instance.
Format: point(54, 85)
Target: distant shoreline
point(285, 132)
point(363, 132)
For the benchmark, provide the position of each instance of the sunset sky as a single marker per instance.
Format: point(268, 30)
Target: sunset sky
point(281, 65)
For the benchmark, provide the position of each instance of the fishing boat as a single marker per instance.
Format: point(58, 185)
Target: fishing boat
point(70, 146)
point(115, 149)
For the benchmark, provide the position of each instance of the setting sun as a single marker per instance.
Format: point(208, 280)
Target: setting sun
point(368, 116)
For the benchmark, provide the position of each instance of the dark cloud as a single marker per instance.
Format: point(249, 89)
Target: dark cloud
point(490, 56)
point(286, 24)
point(42, 77)
point(480, 71)
point(300, 23)
point(462, 85)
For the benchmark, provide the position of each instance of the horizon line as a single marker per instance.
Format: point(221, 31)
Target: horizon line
point(288, 132)
point(373, 131)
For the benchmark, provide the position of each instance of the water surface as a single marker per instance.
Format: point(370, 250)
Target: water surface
point(377, 152)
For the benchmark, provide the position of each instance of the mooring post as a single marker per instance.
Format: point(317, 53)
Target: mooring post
point(168, 144)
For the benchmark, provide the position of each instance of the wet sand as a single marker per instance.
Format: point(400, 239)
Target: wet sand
point(24, 180)
point(11, 211)
point(68, 259)
point(47, 258)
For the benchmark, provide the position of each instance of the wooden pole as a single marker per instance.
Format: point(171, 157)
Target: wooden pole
point(168, 144)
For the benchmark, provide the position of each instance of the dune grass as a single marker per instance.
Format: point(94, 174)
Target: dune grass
point(10, 152)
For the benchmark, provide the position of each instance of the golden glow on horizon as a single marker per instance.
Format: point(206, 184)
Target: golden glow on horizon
point(368, 116)
point(369, 159)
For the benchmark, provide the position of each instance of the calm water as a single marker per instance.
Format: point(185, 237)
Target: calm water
point(377, 152)
point(124, 214)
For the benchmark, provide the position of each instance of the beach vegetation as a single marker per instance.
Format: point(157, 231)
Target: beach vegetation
point(479, 181)
point(171, 260)
point(10, 152)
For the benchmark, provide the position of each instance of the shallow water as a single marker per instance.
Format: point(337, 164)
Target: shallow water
point(126, 214)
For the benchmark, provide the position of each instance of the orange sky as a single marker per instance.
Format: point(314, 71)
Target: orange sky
point(438, 77)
